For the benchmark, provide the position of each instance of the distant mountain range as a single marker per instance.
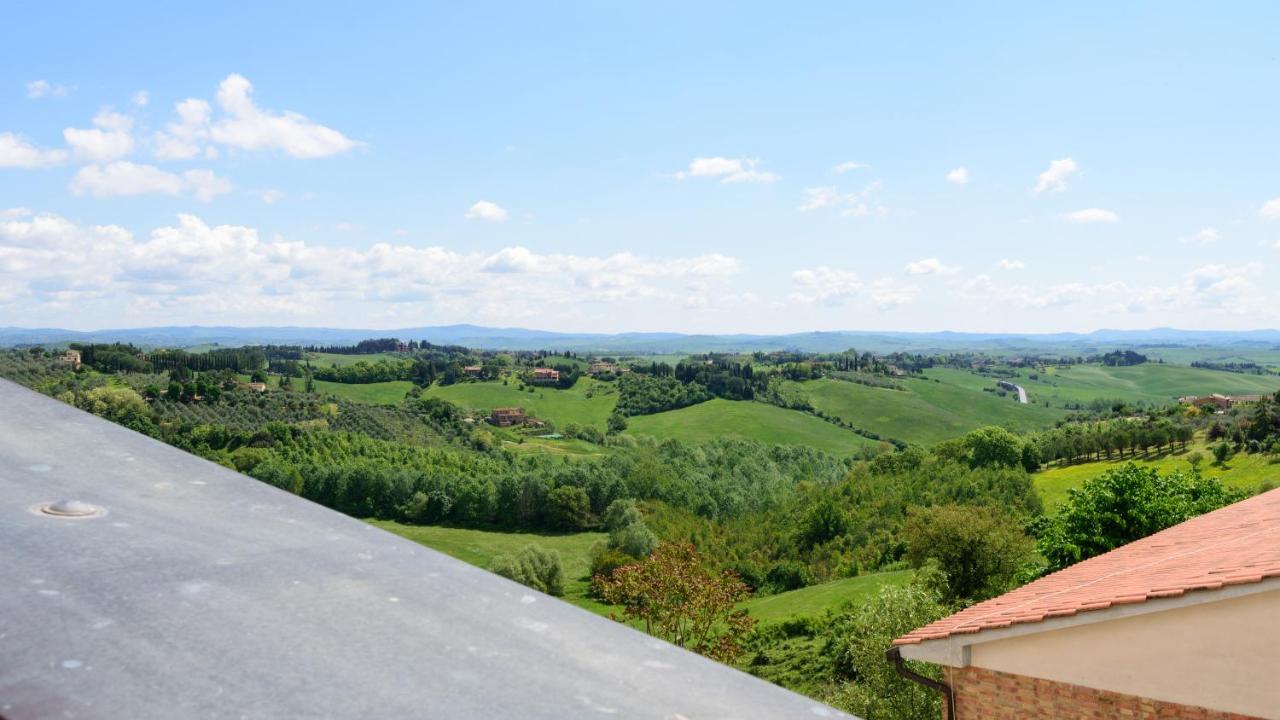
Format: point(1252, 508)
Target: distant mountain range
point(524, 339)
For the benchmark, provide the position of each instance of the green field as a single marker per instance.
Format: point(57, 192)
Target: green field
point(383, 393)
point(322, 359)
point(559, 406)
point(1149, 382)
point(744, 419)
point(1244, 471)
point(482, 547)
point(925, 412)
point(817, 599)
point(567, 447)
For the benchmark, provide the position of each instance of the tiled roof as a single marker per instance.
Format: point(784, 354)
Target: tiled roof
point(1235, 545)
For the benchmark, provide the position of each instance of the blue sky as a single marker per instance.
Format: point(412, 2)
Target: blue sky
point(696, 167)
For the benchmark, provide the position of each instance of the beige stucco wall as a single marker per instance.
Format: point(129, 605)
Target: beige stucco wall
point(1219, 655)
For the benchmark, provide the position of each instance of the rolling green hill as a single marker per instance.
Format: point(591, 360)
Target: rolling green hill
point(383, 393)
point(817, 599)
point(925, 412)
point(1244, 471)
point(1149, 382)
point(482, 547)
point(752, 420)
point(323, 359)
point(588, 402)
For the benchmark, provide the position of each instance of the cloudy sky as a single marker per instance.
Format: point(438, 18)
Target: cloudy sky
point(716, 168)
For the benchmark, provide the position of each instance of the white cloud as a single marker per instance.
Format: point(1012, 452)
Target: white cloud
point(16, 152)
point(271, 196)
point(1091, 215)
point(43, 88)
point(825, 285)
point(485, 210)
point(1209, 288)
point(931, 266)
point(248, 127)
point(887, 294)
point(983, 288)
point(141, 98)
point(123, 178)
point(204, 185)
point(845, 167)
point(1271, 209)
point(1204, 237)
point(1218, 288)
point(959, 176)
point(110, 140)
point(195, 270)
point(15, 212)
point(833, 287)
point(729, 170)
point(183, 140)
point(1055, 178)
point(1011, 265)
point(860, 203)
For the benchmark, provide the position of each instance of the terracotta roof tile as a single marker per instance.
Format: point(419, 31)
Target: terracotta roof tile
point(1236, 545)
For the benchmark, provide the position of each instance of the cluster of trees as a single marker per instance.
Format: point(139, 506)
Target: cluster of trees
point(722, 377)
point(112, 358)
point(1078, 441)
point(1123, 505)
point(643, 393)
point(1121, 358)
point(361, 372)
point(1246, 368)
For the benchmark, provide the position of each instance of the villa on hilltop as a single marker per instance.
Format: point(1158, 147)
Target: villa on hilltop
point(545, 376)
point(507, 416)
point(1222, 402)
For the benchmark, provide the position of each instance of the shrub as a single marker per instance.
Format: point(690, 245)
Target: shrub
point(568, 508)
point(635, 540)
point(534, 566)
point(979, 549)
point(1124, 505)
point(787, 575)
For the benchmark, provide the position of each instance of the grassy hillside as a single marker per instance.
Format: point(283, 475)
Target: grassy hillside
point(752, 420)
point(322, 359)
point(559, 406)
point(481, 548)
point(1150, 382)
point(1244, 471)
point(383, 393)
point(565, 447)
point(817, 599)
point(925, 412)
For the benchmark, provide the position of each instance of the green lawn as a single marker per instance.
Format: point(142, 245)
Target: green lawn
point(925, 412)
point(817, 599)
point(322, 359)
point(567, 447)
point(559, 406)
point(383, 393)
point(482, 547)
point(1150, 382)
point(1244, 471)
point(752, 420)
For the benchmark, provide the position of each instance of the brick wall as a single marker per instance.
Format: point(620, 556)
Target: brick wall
point(983, 694)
